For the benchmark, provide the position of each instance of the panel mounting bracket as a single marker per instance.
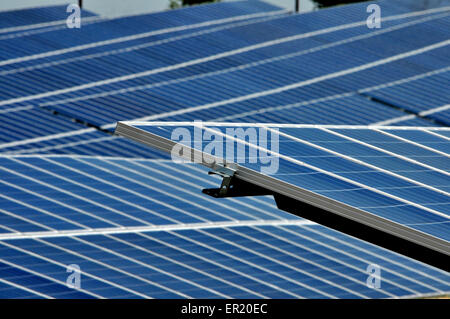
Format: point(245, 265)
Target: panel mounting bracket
point(232, 186)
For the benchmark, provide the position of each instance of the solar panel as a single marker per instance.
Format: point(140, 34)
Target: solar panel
point(392, 179)
point(241, 248)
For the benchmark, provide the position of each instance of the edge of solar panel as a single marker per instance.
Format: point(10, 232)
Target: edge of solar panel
point(351, 213)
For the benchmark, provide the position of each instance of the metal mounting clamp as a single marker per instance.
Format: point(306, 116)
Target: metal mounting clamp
point(232, 186)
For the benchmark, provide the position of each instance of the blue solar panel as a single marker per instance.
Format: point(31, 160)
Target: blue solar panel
point(159, 99)
point(118, 35)
point(397, 174)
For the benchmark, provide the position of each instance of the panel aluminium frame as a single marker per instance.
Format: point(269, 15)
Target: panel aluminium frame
point(305, 203)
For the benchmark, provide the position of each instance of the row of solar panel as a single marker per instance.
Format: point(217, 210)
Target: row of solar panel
point(268, 261)
point(218, 43)
point(261, 254)
point(242, 262)
point(109, 107)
